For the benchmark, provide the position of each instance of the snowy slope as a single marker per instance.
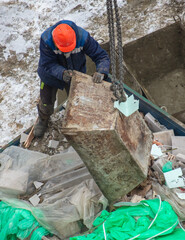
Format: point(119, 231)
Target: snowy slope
point(22, 23)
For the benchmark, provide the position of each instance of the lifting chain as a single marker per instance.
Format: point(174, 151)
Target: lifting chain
point(117, 85)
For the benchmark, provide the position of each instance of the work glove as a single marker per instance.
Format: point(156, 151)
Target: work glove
point(67, 76)
point(98, 77)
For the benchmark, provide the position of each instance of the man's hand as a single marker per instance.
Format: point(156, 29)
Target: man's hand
point(98, 77)
point(67, 75)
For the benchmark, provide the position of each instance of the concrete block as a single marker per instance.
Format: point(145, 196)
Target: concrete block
point(153, 123)
point(164, 137)
point(178, 142)
point(115, 149)
point(53, 144)
point(180, 157)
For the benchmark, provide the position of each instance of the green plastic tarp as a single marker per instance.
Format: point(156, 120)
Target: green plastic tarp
point(17, 223)
point(151, 219)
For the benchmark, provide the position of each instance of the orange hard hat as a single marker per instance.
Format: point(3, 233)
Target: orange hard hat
point(64, 37)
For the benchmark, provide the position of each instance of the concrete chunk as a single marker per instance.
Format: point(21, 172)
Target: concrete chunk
point(115, 148)
point(178, 143)
point(164, 137)
point(53, 144)
point(37, 184)
point(180, 157)
point(153, 124)
point(34, 200)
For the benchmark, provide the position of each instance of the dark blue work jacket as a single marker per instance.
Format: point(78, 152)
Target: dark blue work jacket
point(53, 62)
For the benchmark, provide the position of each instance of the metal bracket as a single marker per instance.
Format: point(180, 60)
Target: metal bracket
point(128, 107)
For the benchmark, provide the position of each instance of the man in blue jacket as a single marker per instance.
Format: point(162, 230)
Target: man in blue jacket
point(62, 49)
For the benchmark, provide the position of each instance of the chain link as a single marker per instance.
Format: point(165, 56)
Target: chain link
point(112, 39)
point(117, 85)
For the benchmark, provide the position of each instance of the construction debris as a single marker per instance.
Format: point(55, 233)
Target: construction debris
point(178, 143)
point(23, 137)
point(168, 169)
point(53, 144)
point(34, 200)
point(46, 187)
point(164, 137)
point(153, 124)
point(59, 186)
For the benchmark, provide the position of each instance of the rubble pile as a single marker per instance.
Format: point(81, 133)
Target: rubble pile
point(53, 141)
point(167, 172)
point(53, 178)
point(167, 150)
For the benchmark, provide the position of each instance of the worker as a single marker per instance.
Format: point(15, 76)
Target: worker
point(63, 47)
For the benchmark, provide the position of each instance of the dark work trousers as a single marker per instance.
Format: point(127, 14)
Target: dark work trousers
point(47, 100)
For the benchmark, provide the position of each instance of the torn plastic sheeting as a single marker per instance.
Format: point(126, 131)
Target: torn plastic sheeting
point(69, 195)
point(170, 195)
point(148, 220)
point(63, 211)
point(167, 167)
point(18, 223)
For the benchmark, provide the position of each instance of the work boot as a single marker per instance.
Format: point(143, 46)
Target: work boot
point(40, 127)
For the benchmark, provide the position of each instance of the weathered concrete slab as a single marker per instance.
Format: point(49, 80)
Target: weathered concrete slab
point(115, 148)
